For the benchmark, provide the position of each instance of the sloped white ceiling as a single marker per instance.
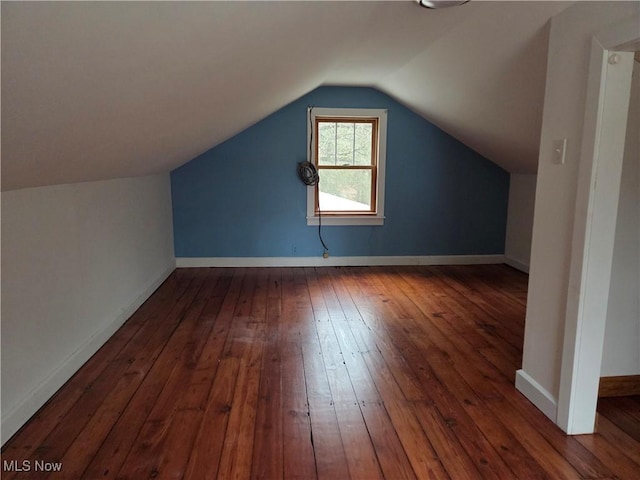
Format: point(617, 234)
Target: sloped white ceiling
point(98, 90)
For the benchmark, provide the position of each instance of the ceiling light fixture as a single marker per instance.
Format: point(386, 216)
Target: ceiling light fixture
point(440, 4)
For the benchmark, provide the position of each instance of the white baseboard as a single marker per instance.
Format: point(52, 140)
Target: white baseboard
point(523, 267)
point(182, 262)
point(17, 416)
point(537, 395)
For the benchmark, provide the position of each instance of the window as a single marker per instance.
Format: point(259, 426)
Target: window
point(348, 147)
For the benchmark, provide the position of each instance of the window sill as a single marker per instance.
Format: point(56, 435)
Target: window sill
point(353, 220)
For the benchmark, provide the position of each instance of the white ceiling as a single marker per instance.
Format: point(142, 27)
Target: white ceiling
point(98, 90)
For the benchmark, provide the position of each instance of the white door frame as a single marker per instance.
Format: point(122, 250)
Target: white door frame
point(607, 104)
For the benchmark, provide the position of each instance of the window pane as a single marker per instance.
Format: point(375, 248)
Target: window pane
point(345, 190)
point(326, 143)
point(362, 143)
point(345, 143)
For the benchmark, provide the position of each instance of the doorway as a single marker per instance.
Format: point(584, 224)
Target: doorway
point(594, 225)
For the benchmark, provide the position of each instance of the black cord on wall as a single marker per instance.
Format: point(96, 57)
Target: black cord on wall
point(308, 173)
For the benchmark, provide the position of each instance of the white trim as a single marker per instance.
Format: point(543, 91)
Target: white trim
point(607, 103)
point(537, 395)
point(185, 262)
point(523, 267)
point(17, 416)
point(381, 115)
point(333, 220)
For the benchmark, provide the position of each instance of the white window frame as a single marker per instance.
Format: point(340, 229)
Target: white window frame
point(349, 219)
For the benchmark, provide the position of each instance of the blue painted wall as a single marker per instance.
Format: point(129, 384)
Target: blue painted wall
point(243, 198)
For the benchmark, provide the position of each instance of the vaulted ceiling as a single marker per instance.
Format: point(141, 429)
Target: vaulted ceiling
point(98, 90)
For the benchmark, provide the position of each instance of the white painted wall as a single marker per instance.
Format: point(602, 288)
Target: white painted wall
point(77, 260)
point(621, 354)
point(563, 117)
point(522, 196)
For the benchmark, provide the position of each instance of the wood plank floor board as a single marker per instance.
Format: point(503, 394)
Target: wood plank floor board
point(176, 359)
point(123, 434)
point(418, 445)
point(456, 340)
point(521, 416)
point(436, 357)
point(360, 452)
point(614, 435)
point(488, 292)
point(237, 449)
point(359, 449)
point(329, 450)
point(419, 450)
point(405, 315)
point(41, 425)
point(618, 463)
point(299, 457)
point(116, 444)
point(297, 326)
point(623, 412)
point(190, 406)
point(489, 327)
point(329, 373)
point(485, 457)
point(389, 450)
point(89, 440)
point(180, 357)
point(259, 302)
point(335, 365)
point(268, 456)
point(126, 372)
point(355, 336)
point(330, 456)
point(222, 368)
point(204, 459)
point(505, 443)
point(536, 445)
point(448, 449)
point(629, 404)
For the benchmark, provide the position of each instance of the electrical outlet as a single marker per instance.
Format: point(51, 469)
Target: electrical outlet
point(294, 250)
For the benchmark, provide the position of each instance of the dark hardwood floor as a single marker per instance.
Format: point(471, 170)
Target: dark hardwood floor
point(333, 373)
